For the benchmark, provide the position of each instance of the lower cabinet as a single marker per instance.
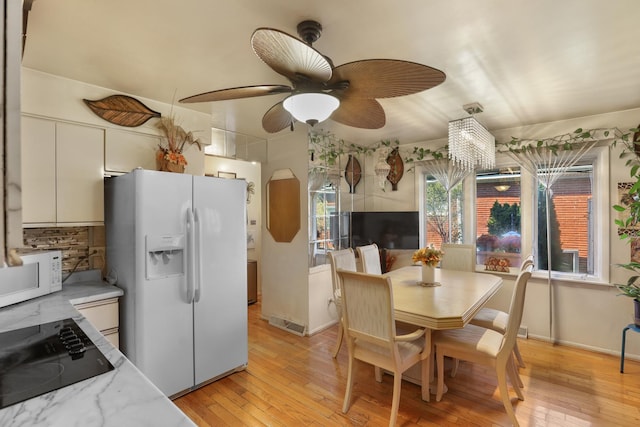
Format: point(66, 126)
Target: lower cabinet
point(103, 315)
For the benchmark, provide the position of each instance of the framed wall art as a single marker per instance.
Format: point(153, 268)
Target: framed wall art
point(227, 175)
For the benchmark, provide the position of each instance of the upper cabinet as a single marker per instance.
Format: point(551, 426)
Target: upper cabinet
point(62, 173)
point(126, 150)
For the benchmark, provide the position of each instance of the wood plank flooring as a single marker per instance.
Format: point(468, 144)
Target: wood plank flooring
point(294, 381)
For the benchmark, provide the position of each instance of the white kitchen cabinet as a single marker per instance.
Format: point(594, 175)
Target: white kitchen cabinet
point(103, 315)
point(62, 173)
point(38, 170)
point(126, 150)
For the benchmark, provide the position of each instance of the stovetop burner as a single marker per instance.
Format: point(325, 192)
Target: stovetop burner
point(42, 358)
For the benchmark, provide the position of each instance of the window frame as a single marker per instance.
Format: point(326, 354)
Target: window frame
point(599, 156)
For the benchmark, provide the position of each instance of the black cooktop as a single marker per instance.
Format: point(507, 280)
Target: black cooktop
point(39, 359)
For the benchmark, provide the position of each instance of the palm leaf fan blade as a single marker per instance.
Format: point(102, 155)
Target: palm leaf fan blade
point(360, 113)
point(276, 119)
point(237, 93)
point(386, 78)
point(289, 56)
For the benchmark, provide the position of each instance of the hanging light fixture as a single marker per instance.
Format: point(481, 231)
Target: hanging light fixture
point(311, 107)
point(470, 143)
point(382, 168)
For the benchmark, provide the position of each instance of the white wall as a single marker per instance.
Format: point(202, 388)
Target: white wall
point(285, 272)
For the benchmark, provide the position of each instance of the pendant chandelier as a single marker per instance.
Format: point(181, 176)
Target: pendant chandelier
point(470, 143)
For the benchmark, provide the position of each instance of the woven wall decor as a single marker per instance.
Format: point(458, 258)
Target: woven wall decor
point(122, 110)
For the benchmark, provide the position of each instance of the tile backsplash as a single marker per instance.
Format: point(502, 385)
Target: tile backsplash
point(76, 244)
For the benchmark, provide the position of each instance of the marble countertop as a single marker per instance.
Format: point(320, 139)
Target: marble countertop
point(119, 398)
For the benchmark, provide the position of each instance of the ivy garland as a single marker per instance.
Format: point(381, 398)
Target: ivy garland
point(564, 142)
point(327, 148)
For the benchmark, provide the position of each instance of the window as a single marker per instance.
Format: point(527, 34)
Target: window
point(498, 217)
point(437, 211)
point(328, 228)
point(569, 221)
point(510, 209)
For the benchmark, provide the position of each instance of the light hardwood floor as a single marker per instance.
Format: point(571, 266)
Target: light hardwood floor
point(294, 381)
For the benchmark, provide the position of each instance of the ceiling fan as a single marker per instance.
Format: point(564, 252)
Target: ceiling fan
point(351, 88)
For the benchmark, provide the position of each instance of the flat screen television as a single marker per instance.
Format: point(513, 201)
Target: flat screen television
point(389, 230)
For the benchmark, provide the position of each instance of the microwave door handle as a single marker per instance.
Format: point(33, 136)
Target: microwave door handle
point(190, 256)
point(198, 256)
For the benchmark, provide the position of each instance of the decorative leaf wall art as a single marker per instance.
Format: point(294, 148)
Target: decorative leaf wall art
point(352, 173)
point(397, 168)
point(121, 110)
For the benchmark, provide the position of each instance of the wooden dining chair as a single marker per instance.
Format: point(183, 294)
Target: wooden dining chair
point(342, 259)
point(492, 318)
point(458, 257)
point(370, 332)
point(370, 257)
point(487, 347)
point(462, 258)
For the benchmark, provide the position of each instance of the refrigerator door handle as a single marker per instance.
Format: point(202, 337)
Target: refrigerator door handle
point(190, 256)
point(198, 257)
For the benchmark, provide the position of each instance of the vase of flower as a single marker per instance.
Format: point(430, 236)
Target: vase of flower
point(168, 161)
point(428, 274)
point(169, 157)
point(428, 258)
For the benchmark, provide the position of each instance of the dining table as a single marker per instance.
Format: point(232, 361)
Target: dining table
point(450, 302)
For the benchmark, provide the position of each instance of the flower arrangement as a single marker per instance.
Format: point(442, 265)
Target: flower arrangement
point(497, 264)
point(428, 256)
point(176, 138)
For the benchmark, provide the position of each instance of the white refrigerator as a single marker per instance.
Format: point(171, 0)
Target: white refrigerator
point(176, 245)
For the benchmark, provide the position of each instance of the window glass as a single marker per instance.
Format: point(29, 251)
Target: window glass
point(328, 228)
point(437, 211)
point(498, 232)
point(570, 221)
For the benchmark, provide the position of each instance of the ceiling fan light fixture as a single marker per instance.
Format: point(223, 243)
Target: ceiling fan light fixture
point(311, 107)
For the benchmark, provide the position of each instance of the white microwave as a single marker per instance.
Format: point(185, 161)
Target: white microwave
point(40, 274)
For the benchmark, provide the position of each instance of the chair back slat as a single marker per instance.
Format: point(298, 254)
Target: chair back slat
point(368, 307)
point(516, 308)
point(370, 257)
point(343, 259)
point(530, 260)
point(458, 257)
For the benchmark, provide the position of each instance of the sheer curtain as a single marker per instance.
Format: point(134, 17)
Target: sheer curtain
point(448, 174)
point(547, 161)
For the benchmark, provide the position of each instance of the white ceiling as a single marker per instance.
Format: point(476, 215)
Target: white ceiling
point(526, 62)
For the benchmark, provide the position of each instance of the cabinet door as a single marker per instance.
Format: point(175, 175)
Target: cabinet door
point(80, 172)
point(38, 170)
point(102, 314)
point(125, 151)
